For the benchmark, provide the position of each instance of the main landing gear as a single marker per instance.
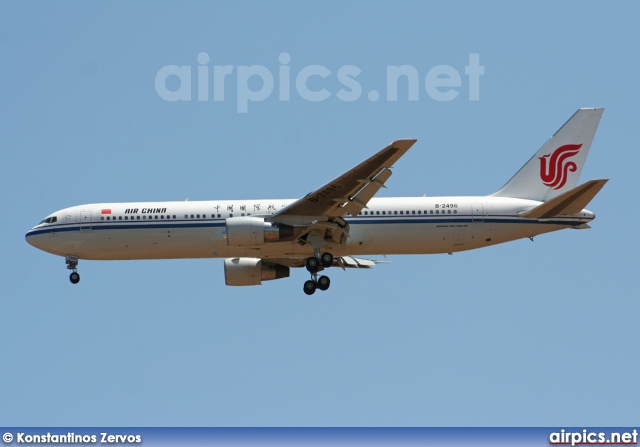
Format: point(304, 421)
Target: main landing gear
point(72, 264)
point(315, 264)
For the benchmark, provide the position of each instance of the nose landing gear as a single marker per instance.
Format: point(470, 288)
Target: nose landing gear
point(74, 278)
point(72, 264)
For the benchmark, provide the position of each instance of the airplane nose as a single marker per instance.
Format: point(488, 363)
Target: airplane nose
point(31, 238)
point(37, 239)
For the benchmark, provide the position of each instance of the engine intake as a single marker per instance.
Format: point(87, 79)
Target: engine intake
point(252, 271)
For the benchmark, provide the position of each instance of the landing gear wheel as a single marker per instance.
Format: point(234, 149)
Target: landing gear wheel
point(313, 264)
point(326, 259)
point(309, 287)
point(323, 283)
point(74, 278)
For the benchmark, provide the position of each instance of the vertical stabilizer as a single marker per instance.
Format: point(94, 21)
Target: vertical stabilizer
point(556, 167)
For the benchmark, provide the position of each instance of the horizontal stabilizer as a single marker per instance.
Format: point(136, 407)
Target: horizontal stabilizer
point(570, 202)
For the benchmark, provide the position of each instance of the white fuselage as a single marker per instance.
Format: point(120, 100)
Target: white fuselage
point(404, 225)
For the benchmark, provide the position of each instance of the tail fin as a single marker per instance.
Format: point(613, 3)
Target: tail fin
point(556, 167)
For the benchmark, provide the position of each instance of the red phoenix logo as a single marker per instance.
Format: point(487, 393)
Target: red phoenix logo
point(555, 173)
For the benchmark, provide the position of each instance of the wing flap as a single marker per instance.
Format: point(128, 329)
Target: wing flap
point(341, 261)
point(357, 263)
point(570, 202)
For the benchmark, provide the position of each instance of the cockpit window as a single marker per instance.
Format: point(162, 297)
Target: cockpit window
point(49, 220)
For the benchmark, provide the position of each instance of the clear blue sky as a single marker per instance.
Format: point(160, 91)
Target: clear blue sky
point(541, 333)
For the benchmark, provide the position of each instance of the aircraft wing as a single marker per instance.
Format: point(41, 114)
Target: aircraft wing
point(350, 192)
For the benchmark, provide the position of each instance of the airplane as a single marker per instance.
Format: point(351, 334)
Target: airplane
point(336, 224)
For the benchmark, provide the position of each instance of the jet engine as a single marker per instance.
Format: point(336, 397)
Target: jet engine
point(242, 231)
point(252, 271)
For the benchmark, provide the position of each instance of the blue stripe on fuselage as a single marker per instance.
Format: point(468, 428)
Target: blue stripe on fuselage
point(368, 220)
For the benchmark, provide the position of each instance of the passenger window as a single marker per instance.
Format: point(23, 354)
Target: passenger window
point(395, 212)
point(102, 218)
point(402, 212)
point(383, 213)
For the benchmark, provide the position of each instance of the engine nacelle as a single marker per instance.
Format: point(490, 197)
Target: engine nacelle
point(252, 271)
point(243, 231)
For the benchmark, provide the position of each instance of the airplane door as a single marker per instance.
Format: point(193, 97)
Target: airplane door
point(477, 212)
point(85, 220)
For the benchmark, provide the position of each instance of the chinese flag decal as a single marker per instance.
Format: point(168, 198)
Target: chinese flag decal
point(106, 211)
